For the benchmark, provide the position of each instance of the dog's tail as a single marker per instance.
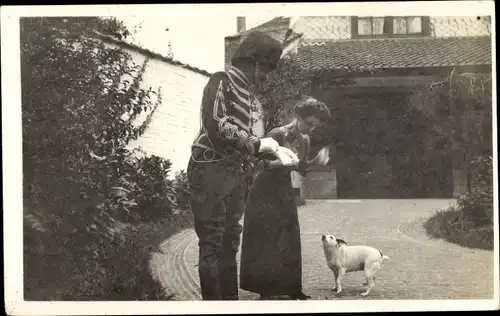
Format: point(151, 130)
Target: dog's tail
point(384, 257)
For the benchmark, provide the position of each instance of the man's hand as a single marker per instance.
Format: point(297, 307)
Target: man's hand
point(268, 145)
point(273, 164)
point(284, 158)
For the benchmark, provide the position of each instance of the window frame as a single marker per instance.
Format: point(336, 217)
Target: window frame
point(390, 28)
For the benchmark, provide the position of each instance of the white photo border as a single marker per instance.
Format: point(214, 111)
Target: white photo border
point(12, 162)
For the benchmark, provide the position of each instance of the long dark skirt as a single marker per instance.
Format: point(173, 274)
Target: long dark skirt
point(271, 258)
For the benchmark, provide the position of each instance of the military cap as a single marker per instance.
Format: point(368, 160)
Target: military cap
point(259, 47)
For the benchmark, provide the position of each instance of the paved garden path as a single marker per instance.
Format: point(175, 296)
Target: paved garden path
point(419, 267)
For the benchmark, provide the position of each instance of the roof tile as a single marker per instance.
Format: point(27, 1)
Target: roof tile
point(395, 53)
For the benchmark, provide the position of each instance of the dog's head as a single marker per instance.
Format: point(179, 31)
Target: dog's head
point(329, 241)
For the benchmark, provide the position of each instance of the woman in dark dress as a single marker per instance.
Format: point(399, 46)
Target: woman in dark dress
point(271, 258)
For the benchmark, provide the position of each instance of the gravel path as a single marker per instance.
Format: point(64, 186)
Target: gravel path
point(419, 267)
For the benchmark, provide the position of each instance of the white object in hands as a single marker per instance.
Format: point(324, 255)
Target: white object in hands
point(286, 156)
point(323, 156)
point(268, 145)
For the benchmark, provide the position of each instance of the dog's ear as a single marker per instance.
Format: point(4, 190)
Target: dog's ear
point(341, 241)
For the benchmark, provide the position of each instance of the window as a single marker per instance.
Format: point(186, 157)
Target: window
point(372, 25)
point(385, 26)
point(408, 25)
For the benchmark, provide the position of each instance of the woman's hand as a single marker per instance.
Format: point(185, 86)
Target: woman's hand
point(322, 157)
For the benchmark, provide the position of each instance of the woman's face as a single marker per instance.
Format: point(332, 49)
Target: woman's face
point(306, 125)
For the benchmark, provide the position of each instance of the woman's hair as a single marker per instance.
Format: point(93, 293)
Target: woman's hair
point(312, 107)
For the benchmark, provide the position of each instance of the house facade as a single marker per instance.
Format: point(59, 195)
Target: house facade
point(175, 122)
point(378, 148)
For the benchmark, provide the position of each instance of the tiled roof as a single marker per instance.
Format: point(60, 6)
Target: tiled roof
point(151, 54)
point(395, 53)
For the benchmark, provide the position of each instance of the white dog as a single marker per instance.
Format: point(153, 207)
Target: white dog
point(341, 259)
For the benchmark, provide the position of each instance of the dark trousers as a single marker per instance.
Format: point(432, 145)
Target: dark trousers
point(218, 202)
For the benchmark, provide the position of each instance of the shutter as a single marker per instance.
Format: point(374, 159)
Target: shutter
point(354, 26)
point(388, 25)
point(426, 26)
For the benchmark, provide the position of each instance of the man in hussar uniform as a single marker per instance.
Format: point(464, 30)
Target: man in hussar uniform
point(219, 164)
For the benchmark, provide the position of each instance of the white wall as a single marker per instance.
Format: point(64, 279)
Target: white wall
point(458, 26)
point(176, 121)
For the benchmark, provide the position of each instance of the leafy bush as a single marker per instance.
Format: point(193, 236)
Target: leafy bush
point(81, 185)
point(140, 187)
point(470, 223)
point(477, 204)
point(460, 108)
point(454, 226)
point(131, 278)
point(459, 111)
point(285, 86)
point(181, 187)
point(118, 270)
point(290, 83)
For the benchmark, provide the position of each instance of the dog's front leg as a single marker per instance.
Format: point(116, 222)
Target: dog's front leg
point(341, 274)
point(336, 274)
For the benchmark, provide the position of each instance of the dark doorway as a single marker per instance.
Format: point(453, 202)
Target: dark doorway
point(383, 150)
